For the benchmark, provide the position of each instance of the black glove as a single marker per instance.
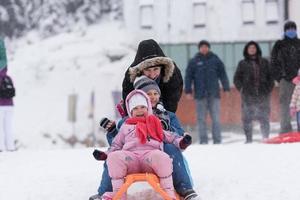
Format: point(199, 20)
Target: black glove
point(99, 155)
point(104, 122)
point(185, 142)
point(164, 124)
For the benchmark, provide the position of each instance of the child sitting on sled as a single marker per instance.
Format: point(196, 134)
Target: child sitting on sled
point(181, 175)
point(138, 146)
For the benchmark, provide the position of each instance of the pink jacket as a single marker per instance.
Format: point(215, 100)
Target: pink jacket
point(126, 139)
point(295, 101)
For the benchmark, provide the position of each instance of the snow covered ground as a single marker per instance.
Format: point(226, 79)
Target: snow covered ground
point(47, 71)
point(45, 168)
point(220, 172)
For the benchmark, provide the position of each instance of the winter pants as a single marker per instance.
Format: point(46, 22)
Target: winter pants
point(181, 177)
point(286, 89)
point(121, 163)
point(6, 133)
point(256, 109)
point(211, 104)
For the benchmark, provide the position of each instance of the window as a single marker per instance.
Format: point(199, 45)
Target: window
point(146, 16)
point(248, 11)
point(272, 12)
point(199, 14)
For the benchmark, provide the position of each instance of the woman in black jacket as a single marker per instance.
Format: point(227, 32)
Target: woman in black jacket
point(254, 81)
point(151, 61)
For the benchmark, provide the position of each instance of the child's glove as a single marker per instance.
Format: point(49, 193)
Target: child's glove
point(293, 111)
point(121, 108)
point(99, 155)
point(185, 142)
point(107, 124)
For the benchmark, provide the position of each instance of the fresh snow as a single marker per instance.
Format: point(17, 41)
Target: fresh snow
point(220, 172)
point(47, 71)
point(45, 168)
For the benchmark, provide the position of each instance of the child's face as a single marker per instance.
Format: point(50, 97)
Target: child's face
point(154, 97)
point(139, 111)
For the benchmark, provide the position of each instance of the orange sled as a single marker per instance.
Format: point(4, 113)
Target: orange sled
point(152, 179)
point(290, 137)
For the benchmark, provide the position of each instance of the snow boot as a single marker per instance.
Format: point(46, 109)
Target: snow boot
point(95, 197)
point(191, 195)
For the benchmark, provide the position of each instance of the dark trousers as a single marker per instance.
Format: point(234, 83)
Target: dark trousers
point(286, 89)
point(256, 108)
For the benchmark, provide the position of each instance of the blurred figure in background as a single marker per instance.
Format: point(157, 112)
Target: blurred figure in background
point(295, 101)
point(204, 72)
point(285, 62)
point(7, 92)
point(253, 79)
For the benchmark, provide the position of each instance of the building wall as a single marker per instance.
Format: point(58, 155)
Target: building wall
point(173, 21)
point(294, 14)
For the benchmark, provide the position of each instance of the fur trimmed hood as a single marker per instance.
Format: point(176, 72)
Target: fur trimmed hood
point(149, 54)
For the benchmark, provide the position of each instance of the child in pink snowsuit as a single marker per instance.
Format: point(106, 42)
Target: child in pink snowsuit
point(138, 146)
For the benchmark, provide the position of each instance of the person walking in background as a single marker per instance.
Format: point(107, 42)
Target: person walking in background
point(7, 92)
point(285, 62)
point(204, 72)
point(295, 101)
point(254, 81)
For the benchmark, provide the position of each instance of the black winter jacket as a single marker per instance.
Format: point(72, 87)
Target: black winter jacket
point(150, 54)
point(253, 76)
point(285, 59)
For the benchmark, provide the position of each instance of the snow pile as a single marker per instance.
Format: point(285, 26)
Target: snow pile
point(220, 172)
point(47, 71)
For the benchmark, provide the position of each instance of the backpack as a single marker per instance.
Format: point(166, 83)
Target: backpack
point(7, 89)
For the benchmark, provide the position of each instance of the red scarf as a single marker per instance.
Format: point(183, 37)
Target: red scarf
point(146, 127)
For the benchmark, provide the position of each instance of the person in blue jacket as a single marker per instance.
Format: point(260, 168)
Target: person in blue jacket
point(204, 72)
point(181, 175)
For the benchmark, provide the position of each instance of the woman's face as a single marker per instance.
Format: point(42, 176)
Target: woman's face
point(154, 97)
point(152, 72)
point(252, 50)
point(139, 111)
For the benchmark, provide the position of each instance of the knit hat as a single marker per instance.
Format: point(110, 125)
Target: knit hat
point(203, 42)
point(144, 83)
point(290, 24)
point(137, 100)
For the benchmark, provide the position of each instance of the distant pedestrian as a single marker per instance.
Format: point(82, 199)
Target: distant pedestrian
point(204, 72)
point(7, 92)
point(285, 62)
point(254, 81)
point(295, 101)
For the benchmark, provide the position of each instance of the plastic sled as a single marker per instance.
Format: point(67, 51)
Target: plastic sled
point(289, 137)
point(152, 179)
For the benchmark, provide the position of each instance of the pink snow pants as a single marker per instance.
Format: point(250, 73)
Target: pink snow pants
point(122, 163)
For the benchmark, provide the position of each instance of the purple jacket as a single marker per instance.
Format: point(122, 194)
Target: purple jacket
point(4, 101)
point(127, 139)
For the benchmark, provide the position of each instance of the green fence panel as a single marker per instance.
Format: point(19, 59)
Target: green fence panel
point(229, 52)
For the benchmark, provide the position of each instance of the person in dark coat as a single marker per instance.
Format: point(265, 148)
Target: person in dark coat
point(151, 61)
point(205, 71)
point(285, 62)
point(254, 81)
